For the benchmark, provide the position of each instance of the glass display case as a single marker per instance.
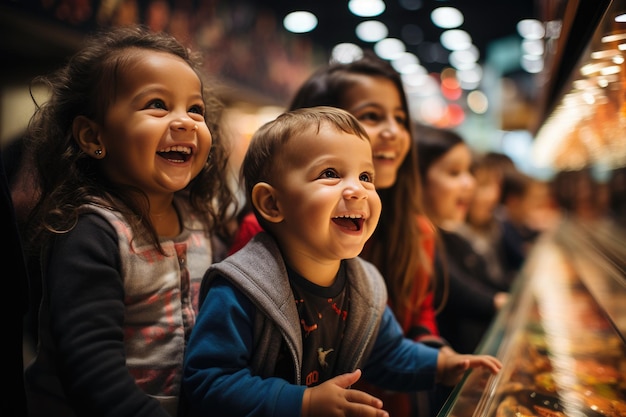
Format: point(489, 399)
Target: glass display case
point(561, 338)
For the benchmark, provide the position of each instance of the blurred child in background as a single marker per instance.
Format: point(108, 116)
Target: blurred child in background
point(470, 299)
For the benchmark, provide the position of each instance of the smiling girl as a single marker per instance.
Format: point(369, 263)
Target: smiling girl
point(131, 194)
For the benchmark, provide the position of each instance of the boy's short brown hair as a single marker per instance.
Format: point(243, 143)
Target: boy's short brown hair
point(265, 151)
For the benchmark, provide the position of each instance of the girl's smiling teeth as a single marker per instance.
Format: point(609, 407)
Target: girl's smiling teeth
point(350, 221)
point(176, 153)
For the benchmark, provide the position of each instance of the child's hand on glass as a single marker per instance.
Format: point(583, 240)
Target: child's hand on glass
point(452, 365)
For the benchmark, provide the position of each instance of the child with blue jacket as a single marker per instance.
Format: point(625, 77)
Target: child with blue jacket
point(293, 319)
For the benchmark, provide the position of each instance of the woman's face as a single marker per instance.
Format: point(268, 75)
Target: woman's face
point(376, 103)
point(449, 186)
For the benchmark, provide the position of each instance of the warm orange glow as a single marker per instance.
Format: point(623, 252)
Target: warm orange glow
point(451, 93)
point(456, 114)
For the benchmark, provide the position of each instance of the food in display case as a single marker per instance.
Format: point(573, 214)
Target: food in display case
point(562, 355)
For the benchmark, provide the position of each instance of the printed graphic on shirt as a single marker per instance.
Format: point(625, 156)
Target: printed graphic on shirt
point(321, 356)
point(322, 321)
point(323, 313)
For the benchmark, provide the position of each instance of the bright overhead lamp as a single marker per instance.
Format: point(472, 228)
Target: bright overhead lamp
point(300, 22)
point(533, 46)
point(366, 8)
point(615, 37)
point(406, 63)
point(464, 59)
point(346, 52)
point(389, 48)
point(371, 31)
point(447, 17)
point(456, 39)
point(531, 29)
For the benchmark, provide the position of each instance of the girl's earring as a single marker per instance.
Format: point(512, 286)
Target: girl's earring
point(98, 152)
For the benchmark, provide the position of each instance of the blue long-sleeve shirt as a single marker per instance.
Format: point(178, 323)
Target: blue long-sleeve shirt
point(249, 313)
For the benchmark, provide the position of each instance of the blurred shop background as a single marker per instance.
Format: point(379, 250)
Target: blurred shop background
point(541, 81)
point(491, 69)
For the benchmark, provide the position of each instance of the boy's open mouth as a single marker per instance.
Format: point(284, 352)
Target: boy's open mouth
point(354, 223)
point(178, 154)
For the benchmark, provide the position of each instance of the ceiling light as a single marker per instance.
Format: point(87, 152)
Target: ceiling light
point(613, 69)
point(603, 82)
point(471, 78)
point(531, 64)
point(406, 63)
point(346, 53)
point(589, 69)
point(531, 29)
point(415, 79)
point(581, 84)
point(455, 39)
point(389, 48)
point(532, 46)
point(371, 31)
point(464, 58)
point(614, 37)
point(478, 102)
point(447, 17)
point(459, 63)
point(300, 22)
point(603, 54)
point(366, 8)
